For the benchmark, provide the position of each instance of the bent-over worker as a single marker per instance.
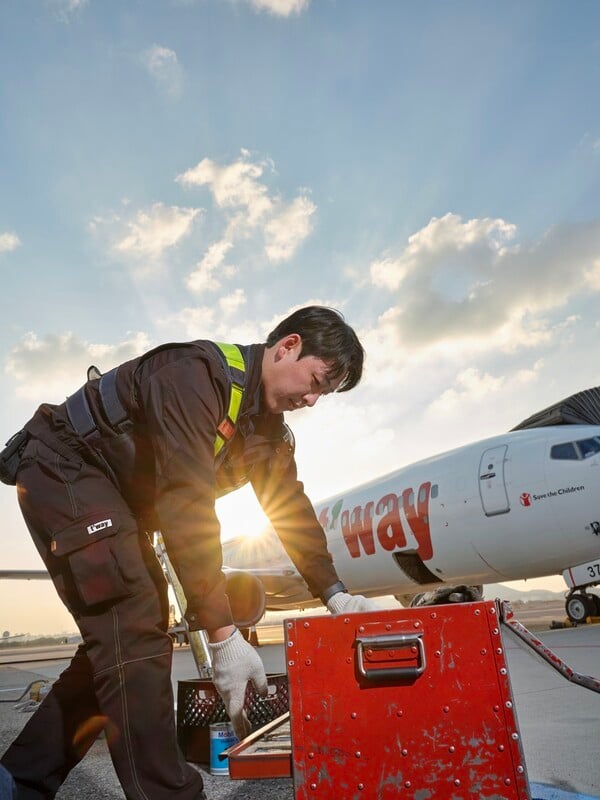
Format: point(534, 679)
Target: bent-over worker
point(150, 445)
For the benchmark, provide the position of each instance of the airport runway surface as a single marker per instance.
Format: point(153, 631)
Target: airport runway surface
point(559, 721)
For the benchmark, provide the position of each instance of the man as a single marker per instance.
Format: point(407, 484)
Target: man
point(151, 445)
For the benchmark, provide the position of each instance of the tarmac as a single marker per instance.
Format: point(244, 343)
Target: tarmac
point(558, 721)
point(95, 778)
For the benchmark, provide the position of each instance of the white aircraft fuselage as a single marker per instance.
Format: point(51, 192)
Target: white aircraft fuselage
point(524, 504)
point(500, 509)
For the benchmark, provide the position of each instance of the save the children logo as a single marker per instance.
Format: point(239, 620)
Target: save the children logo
point(526, 499)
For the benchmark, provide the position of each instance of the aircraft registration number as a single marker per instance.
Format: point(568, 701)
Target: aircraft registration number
point(583, 575)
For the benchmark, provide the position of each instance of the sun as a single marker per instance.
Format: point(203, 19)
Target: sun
point(240, 514)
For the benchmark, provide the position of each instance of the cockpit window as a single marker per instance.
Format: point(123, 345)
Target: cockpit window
point(589, 447)
point(564, 452)
point(576, 451)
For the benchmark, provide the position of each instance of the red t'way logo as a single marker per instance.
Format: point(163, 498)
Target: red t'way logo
point(525, 499)
point(381, 521)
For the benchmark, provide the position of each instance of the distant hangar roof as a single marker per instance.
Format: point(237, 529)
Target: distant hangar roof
point(582, 408)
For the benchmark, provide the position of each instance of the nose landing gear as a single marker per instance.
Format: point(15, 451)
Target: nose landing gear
point(579, 606)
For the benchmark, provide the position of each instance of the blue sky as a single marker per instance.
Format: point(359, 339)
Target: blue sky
point(197, 168)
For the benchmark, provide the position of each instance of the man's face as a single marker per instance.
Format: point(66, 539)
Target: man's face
point(293, 382)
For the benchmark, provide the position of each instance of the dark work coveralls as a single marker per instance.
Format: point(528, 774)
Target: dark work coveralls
point(89, 503)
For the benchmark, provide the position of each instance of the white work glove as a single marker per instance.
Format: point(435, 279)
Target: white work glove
point(344, 603)
point(234, 663)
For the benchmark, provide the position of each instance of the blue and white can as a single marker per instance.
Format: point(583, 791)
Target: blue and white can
point(221, 737)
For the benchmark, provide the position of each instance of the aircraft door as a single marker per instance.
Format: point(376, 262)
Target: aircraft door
point(492, 487)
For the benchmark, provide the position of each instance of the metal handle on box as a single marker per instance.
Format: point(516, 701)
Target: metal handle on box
point(387, 643)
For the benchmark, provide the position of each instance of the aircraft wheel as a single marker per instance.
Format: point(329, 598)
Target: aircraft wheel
point(579, 606)
point(596, 601)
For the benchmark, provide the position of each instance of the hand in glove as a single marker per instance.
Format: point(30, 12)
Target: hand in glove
point(234, 663)
point(344, 603)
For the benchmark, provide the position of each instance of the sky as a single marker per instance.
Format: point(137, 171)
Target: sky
point(181, 169)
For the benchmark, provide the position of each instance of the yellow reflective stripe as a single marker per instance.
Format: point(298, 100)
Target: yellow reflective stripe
point(235, 360)
point(232, 355)
point(235, 402)
point(219, 443)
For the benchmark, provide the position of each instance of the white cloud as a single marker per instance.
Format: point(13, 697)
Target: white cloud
point(280, 8)
point(251, 210)
point(205, 277)
point(8, 242)
point(222, 321)
point(217, 322)
point(233, 186)
point(470, 384)
point(99, 221)
point(50, 368)
point(232, 303)
point(163, 66)
point(442, 238)
point(486, 400)
point(153, 231)
point(285, 232)
point(197, 323)
point(460, 284)
point(387, 272)
point(592, 276)
point(443, 393)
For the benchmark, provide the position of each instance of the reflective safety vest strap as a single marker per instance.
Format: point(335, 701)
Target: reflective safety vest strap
point(233, 356)
point(237, 369)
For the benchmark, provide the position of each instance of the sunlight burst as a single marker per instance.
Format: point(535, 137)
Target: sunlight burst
point(241, 515)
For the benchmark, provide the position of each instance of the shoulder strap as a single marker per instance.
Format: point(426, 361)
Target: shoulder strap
point(83, 422)
point(237, 370)
point(113, 408)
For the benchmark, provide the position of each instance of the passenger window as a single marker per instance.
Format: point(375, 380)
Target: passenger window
point(564, 452)
point(588, 447)
point(434, 491)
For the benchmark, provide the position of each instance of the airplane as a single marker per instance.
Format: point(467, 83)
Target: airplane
point(520, 505)
point(524, 504)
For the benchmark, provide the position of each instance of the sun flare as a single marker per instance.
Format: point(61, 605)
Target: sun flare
point(240, 514)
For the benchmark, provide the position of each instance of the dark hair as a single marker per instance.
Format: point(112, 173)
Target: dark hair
point(326, 335)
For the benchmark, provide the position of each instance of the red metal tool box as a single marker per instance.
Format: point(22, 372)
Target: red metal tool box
point(408, 703)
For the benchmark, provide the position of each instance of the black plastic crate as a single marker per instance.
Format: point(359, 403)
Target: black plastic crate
point(199, 705)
